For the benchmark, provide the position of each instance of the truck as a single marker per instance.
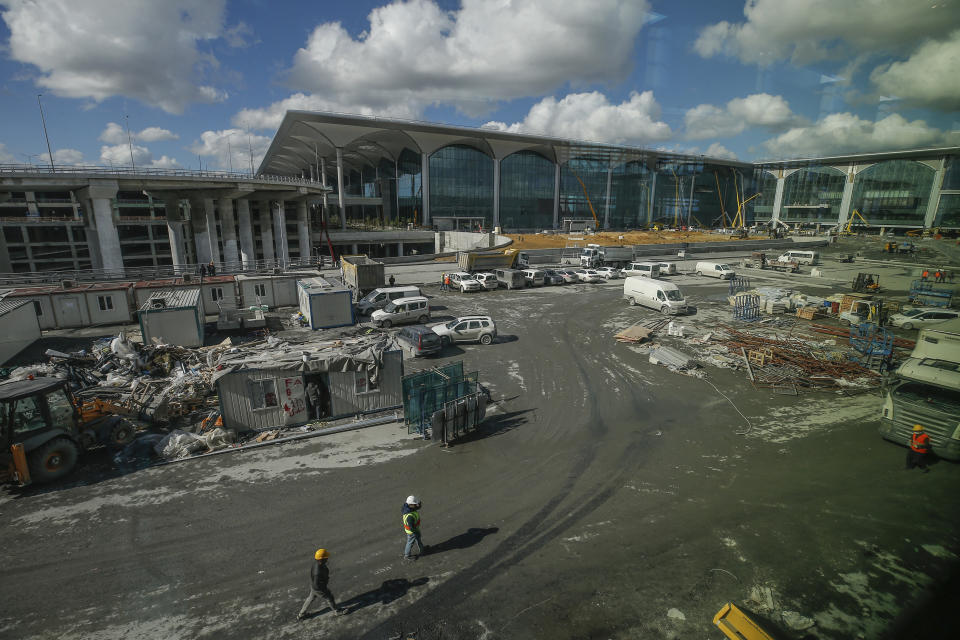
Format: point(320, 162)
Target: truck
point(489, 261)
point(362, 273)
point(594, 255)
point(759, 260)
point(925, 390)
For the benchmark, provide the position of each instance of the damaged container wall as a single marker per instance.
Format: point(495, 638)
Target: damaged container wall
point(251, 400)
point(19, 327)
point(219, 290)
point(70, 310)
point(173, 316)
point(362, 273)
point(325, 305)
point(353, 392)
point(42, 306)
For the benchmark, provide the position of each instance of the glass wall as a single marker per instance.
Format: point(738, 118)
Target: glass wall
point(951, 177)
point(576, 199)
point(410, 205)
point(948, 212)
point(893, 192)
point(461, 184)
point(761, 207)
point(674, 201)
point(812, 195)
point(630, 195)
point(526, 191)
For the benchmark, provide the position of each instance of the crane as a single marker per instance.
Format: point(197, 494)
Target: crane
point(589, 204)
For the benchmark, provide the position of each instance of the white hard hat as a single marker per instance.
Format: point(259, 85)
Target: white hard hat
point(411, 500)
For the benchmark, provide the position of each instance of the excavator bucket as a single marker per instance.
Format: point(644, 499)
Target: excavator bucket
point(737, 625)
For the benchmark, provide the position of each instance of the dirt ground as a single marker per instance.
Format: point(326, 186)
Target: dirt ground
point(609, 239)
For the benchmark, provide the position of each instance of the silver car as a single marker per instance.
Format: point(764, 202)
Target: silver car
point(480, 329)
point(465, 282)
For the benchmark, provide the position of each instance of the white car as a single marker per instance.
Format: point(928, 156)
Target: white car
point(568, 275)
point(465, 281)
point(610, 273)
point(921, 317)
point(588, 275)
point(488, 280)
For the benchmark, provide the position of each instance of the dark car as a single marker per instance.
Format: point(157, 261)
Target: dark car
point(552, 277)
point(420, 339)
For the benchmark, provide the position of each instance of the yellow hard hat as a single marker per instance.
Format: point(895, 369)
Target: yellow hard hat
point(321, 554)
point(918, 427)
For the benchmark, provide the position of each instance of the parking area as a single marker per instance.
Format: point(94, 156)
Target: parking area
point(604, 497)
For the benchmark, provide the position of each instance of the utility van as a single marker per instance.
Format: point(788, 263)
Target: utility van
point(803, 257)
point(715, 270)
point(402, 311)
point(665, 297)
point(533, 277)
point(643, 269)
point(378, 298)
point(511, 278)
point(668, 268)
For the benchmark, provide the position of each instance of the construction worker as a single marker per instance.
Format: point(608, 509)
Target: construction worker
point(919, 448)
point(411, 526)
point(444, 282)
point(925, 275)
point(319, 577)
point(393, 280)
point(940, 276)
point(211, 268)
point(313, 395)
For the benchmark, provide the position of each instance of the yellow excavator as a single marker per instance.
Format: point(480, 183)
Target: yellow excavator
point(596, 221)
point(848, 230)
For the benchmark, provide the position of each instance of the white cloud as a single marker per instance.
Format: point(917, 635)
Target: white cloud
point(119, 155)
point(757, 110)
point(115, 134)
point(810, 30)
point(68, 156)
point(845, 133)
point(414, 54)
point(930, 77)
point(235, 143)
point(143, 49)
point(717, 150)
point(591, 116)
point(5, 156)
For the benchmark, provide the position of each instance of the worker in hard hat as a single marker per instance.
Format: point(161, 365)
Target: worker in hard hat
point(919, 451)
point(319, 577)
point(411, 526)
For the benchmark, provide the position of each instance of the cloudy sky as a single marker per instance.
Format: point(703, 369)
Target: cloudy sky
point(208, 81)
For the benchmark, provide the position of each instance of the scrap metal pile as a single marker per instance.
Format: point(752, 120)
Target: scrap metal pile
point(790, 364)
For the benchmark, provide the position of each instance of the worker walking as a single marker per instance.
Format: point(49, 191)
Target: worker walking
point(313, 395)
point(919, 448)
point(319, 577)
point(411, 526)
point(925, 275)
point(393, 280)
point(939, 277)
point(444, 279)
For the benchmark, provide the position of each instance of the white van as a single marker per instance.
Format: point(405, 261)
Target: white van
point(666, 297)
point(378, 298)
point(533, 277)
point(668, 268)
point(642, 269)
point(715, 270)
point(401, 311)
point(803, 257)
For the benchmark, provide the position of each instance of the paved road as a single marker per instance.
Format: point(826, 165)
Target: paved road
point(605, 497)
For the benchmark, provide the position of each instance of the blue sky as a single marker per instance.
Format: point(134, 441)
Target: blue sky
point(209, 80)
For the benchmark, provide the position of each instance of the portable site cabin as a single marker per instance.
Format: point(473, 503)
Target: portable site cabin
point(272, 291)
point(144, 290)
point(83, 306)
point(19, 327)
point(219, 290)
point(273, 388)
point(325, 305)
point(108, 302)
point(173, 316)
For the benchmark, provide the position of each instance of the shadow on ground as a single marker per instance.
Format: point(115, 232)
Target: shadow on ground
point(386, 593)
point(470, 537)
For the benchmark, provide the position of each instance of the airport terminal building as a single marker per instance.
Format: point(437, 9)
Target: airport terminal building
point(382, 186)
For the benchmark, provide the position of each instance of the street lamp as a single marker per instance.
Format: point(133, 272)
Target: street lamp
point(47, 137)
point(130, 144)
point(230, 151)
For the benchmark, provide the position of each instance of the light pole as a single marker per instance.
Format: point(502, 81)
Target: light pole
point(230, 151)
point(250, 150)
point(130, 143)
point(47, 137)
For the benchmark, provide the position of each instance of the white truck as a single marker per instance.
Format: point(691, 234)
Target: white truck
point(925, 390)
point(594, 255)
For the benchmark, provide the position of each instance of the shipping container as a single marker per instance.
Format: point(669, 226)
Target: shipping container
point(173, 316)
point(325, 305)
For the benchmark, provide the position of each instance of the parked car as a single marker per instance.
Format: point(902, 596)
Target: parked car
point(533, 277)
point(488, 280)
point(480, 329)
point(420, 340)
point(919, 317)
point(465, 281)
point(609, 273)
point(378, 298)
point(402, 311)
point(588, 275)
point(552, 277)
point(568, 275)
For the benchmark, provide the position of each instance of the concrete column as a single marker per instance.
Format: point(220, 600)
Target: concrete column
point(934, 201)
point(201, 234)
point(354, 248)
point(340, 195)
point(846, 201)
point(399, 248)
point(651, 197)
point(266, 231)
point(323, 182)
point(228, 227)
point(280, 234)
point(303, 230)
point(5, 265)
point(248, 256)
point(556, 195)
point(178, 251)
point(606, 207)
point(425, 187)
point(213, 240)
point(32, 208)
point(102, 237)
point(778, 198)
point(496, 192)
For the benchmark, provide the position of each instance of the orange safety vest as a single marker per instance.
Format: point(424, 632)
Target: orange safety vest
point(920, 442)
point(411, 522)
point(446, 279)
point(926, 274)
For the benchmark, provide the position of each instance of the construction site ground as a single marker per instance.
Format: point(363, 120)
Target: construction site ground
point(604, 497)
point(614, 238)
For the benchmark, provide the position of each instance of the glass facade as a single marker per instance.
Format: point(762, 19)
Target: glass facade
point(583, 183)
point(630, 195)
point(812, 195)
point(461, 184)
point(948, 211)
point(526, 191)
point(951, 175)
point(893, 192)
point(761, 207)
